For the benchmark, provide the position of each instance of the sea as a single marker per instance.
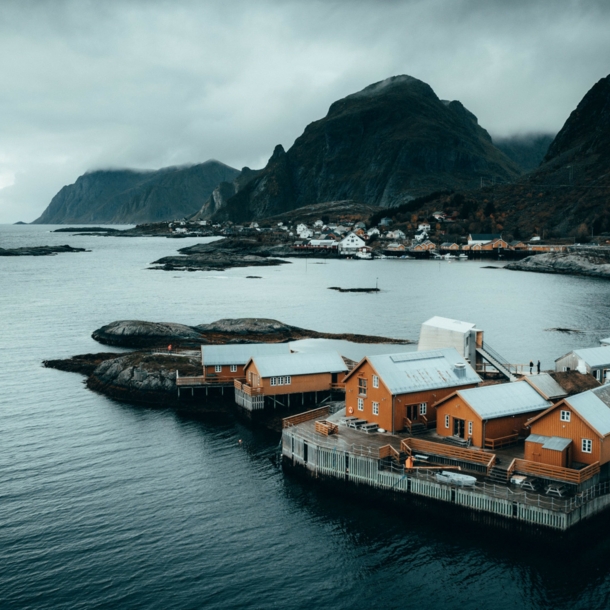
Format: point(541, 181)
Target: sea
point(109, 505)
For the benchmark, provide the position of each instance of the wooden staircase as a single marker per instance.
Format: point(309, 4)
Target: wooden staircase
point(497, 475)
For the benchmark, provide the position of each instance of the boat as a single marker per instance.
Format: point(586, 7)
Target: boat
point(449, 257)
point(463, 257)
point(455, 478)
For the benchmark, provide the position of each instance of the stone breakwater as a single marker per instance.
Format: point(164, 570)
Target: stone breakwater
point(592, 262)
point(39, 250)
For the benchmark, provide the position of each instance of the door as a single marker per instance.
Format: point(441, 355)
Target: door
point(412, 412)
point(459, 426)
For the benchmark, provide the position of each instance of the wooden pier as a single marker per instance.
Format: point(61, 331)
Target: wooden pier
point(377, 461)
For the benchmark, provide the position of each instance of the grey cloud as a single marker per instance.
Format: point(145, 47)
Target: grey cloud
point(148, 84)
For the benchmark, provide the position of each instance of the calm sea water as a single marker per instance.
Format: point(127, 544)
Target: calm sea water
point(104, 505)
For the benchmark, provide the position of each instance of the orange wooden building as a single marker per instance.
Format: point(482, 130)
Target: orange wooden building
point(227, 362)
point(490, 416)
point(397, 391)
point(582, 421)
point(311, 376)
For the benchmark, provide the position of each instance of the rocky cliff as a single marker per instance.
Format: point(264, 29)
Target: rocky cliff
point(391, 142)
point(131, 197)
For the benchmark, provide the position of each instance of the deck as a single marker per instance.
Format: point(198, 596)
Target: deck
point(376, 459)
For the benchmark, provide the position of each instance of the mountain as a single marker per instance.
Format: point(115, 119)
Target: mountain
point(132, 196)
point(568, 195)
point(527, 150)
point(391, 142)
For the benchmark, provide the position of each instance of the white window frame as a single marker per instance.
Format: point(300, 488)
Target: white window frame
point(274, 381)
point(233, 368)
point(375, 381)
point(218, 368)
point(586, 445)
point(423, 408)
point(362, 386)
point(470, 426)
point(564, 415)
point(597, 374)
point(361, 404)
point(375, 408)
point(447, 422)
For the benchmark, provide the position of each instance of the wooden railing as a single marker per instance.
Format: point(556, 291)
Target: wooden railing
point(502, 441)
point(326, 428)
point(337, 386)
point(198, 380)
point(555, 473)
point(302, 417)
point(474, 456)
point(407, 424)
point(389, 451)
point(247, 389)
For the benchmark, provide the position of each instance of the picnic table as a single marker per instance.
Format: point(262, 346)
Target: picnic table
point(555, 489)
point(346, 420)
point(356, 423)
point(530, 484)
point(369, 428)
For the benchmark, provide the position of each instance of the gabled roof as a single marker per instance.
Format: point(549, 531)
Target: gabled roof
point(605, 342)
point(546, 386)
point(418, 371)
point(593, 356)
point(240, 353)
point(299, 364)
point(593, 406)
point(503, 399)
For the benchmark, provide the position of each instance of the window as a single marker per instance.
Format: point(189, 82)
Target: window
point(597, 374)
point(281, 380)
point(274, 381)
point(375, 408)
point(446, 421)
point(218, 368)
point(361, 404)
point(587, 445)
point(564, 415)
point(362, 386)
point(469, 428)
point(375, 381)
point(233, 368)
point(423, 408)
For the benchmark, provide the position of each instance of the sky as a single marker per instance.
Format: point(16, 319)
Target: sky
point(101, 84)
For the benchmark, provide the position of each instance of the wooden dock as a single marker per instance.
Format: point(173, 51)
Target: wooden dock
point(377, 460)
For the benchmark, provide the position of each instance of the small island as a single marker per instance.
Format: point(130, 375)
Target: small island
point(40, 250)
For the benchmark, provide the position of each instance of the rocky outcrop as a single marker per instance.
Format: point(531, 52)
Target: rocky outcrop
point(224, 254)
point(131, 196)
point(138, 334)
point(143, 377)
point(391, 142)
point(84, 364)
point(39, 250)
point(593, 262)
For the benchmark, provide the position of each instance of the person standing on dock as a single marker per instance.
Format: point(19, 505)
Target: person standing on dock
point(531, 366)
point(538, 367)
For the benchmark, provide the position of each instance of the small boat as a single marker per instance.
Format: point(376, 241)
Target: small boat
point(449, 257)
point(463, 257)
point(455, 478)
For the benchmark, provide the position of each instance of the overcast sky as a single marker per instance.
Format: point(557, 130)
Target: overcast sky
point(146, 84)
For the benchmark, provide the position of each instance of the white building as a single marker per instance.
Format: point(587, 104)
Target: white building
point(593, 361)
point(397, 234)
point(438, 332)
point(318, 223)
point(351, 243)
point(423, 227)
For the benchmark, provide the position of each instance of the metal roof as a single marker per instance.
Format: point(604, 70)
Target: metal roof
point(594, 356)
point(555, 443)
point(547, 386)
point(594, 407)
point(605, 342)
point(418, 371)
point(448, 324)
point(503, 399)
point(299, 364)
point(240, 353)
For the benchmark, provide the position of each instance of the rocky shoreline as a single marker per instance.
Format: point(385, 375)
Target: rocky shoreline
point(40, 250)
point(585, 262)
point(148, 377)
